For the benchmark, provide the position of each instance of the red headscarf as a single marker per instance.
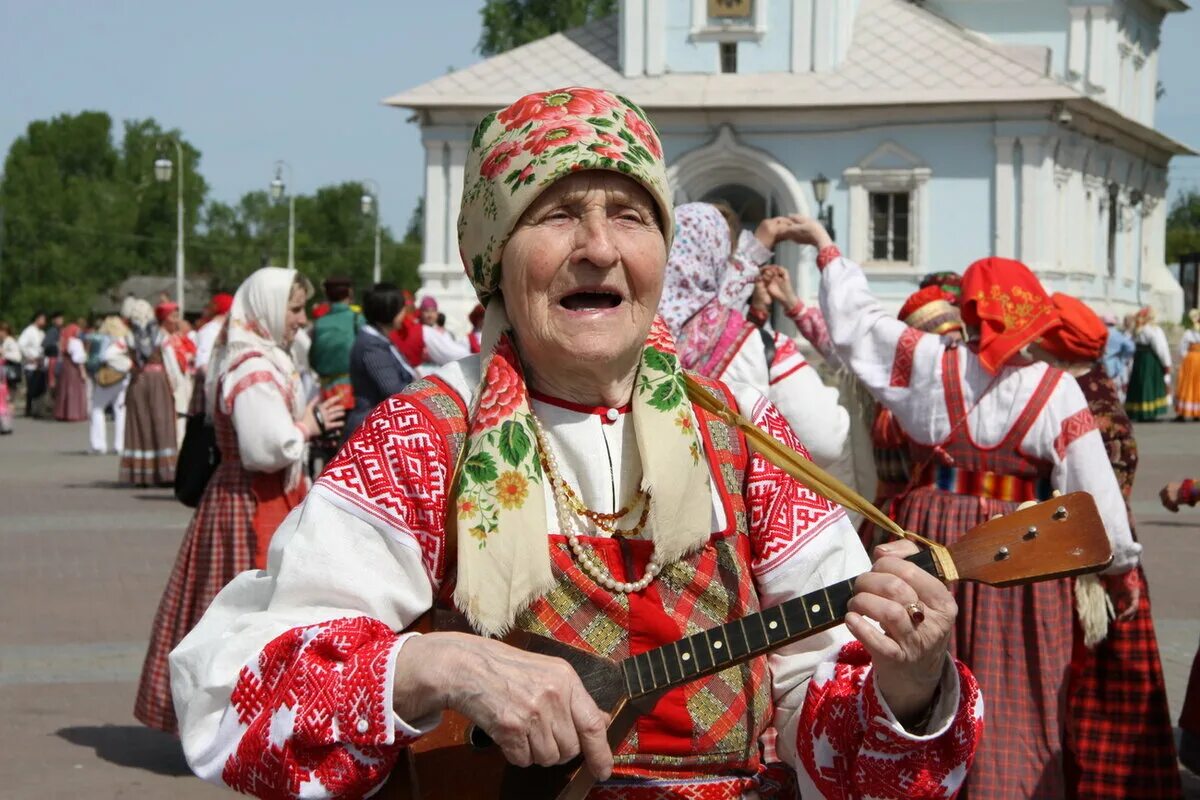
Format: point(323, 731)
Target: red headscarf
point(1082, 335)
point(164, 310)
point(1006, 302)
point(221, 303)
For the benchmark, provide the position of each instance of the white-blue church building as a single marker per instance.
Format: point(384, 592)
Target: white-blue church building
point(946, 130)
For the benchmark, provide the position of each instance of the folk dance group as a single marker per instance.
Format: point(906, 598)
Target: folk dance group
point(560, 481)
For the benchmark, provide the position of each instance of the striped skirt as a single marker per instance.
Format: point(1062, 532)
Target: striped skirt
point(1121, 744)
point(1147, 397)
point(149, 452)
point(1017, 642)
point(218, 545)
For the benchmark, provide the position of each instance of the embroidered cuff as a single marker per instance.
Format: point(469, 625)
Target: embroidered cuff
point(827, 255)
point(795, 311)
point(757, 316)
point(883, 729)
point(407, 733)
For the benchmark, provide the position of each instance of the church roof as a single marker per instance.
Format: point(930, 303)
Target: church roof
point(900, 54)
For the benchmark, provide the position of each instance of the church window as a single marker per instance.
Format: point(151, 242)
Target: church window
point(728, 56)
point(889, 226)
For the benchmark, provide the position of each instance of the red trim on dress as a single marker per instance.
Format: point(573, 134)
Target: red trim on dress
point(902, 362)
point(827, 255)
point(600, 411)
point(1074, 427)
point(791, 371)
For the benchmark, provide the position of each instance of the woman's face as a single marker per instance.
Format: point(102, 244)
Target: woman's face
point(582, 272)
point(171, 323)
point(295, 318)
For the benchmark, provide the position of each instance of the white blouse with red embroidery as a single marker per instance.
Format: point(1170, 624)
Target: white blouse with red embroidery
point(902, 368)
point(284, 687)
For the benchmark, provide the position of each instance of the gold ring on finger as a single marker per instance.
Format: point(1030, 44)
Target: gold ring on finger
point(916, 612)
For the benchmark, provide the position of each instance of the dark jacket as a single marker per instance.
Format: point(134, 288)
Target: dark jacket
point(377, 371)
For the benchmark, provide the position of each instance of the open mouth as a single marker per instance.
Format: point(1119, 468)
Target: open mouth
point(591, 300)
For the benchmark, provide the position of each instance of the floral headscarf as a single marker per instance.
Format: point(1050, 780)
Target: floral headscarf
point(1006, 302)
point(516, 153)
point(699, 259)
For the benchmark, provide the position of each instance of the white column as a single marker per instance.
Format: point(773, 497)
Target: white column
point(457, 158)
point(435, 202)
point(1077, 44)
point(1103, 50)
point(656, 31)
point(631, 44)
point(802, 35)
point(1035, 190)
point(1003, 235)
point(823, 35)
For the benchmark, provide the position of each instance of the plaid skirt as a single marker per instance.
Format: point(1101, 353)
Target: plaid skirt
point(218, 545)
point(148, 456)
point(1120, 742)
point(1017, 642)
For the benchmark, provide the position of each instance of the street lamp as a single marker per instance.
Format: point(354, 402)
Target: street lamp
point(162, 173)
point(370, 206)
point(820, 186)
point(278, 187)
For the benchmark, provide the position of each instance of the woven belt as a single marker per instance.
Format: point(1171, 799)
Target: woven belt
point(991, 485)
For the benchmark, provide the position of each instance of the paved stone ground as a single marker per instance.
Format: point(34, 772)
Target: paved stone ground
point(84, 560)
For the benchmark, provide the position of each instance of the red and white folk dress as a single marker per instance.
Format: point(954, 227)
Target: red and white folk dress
point(246, 499)
point(287, 682)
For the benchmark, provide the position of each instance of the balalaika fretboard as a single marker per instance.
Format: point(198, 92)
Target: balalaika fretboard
point(730, 644)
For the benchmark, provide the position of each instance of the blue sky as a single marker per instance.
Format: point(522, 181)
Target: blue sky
point(252, 82)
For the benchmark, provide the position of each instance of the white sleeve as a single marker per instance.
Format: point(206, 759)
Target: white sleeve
point(1065, 434)
point(442, 348)
point(30, 344)
point(810, 407)
point(325, 566)
point(269, 439)
point(76, 351)
point(899, 365)
point(1158, 340)
point(175, 375)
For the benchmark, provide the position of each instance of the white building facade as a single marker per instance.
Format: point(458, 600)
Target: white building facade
point(949, 130)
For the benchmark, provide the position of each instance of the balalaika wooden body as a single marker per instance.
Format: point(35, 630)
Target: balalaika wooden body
point(1056, 539)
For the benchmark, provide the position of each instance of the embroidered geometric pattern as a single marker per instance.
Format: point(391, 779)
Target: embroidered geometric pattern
point(315, 712)
point(843, 734)
point(1073, 427)
point(902, 365)
point(393, 470)
point(784, 514)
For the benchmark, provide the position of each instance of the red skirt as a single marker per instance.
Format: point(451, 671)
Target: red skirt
point(221, 541)
point(70, 394)
point(1017, 642)
point(1121, 744)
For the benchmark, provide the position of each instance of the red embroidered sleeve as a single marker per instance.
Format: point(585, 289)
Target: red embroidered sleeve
point(784, 514)
point(788, 360)
point(316, 711)
point(1075, 426)
point(902, 362)
point(395, 469)
point(849, 750)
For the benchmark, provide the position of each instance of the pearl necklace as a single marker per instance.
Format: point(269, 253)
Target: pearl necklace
point(571, 527)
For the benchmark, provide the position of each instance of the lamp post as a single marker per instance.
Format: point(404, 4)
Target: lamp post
point(820, 186)
point(162, 172)
point(278, 187)
point(370, 206)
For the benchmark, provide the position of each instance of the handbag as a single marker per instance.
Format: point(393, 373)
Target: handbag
point(107, 376)
point(198, 460)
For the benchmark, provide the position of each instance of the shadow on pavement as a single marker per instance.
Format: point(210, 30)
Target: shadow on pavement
point(130, 746)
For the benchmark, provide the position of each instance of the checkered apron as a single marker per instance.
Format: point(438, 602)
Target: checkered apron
point(1121, 744)
point(1016, 641)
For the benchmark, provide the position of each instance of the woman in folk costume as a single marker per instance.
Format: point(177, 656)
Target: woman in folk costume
point(262, 428)
point(1120, 743)
point(1187, 387)
point(988, 429)
point(929, 310)
point(595, 505)
point(71, 391)
point(1147, 398)
point(179, 358)
point(705, 292)
point(150, 446)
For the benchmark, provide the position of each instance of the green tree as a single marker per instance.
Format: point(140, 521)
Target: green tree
point(512, 23)
point(81, 213)
point(1183, 226)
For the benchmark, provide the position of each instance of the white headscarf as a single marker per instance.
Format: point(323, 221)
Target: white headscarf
point(256, 324)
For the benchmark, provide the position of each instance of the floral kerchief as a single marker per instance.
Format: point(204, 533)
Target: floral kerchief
point(501, 510)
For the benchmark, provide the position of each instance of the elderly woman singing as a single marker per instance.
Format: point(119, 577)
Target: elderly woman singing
point(592, 503)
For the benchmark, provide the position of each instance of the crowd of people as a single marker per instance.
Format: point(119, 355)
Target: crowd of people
point(548, 473)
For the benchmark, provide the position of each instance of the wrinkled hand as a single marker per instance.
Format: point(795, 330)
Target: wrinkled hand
point(532, 706)
point(780, 286)
point(807, 230)
point(1169, 496)
point(332, 412)
point(908, 656)
point(1125, 591)
point(760, 298)
point(772, 230)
